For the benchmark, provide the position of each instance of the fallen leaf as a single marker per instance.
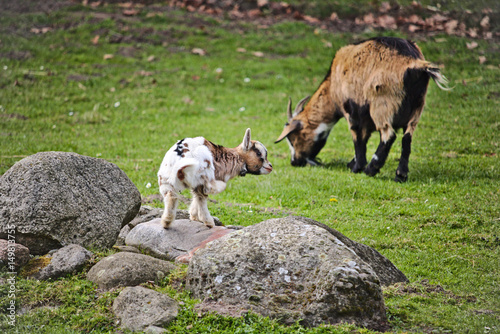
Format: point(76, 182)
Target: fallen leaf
point(198, 51)
point(95, 40)
point(258, 54)
point(241, 50)
point(327, 44)
point(472, 45)
point(385, 7)
point(195, 77)
point(413, 28)
point(482, 60)
point(334, 16)
point(369, 19)
point(130, 12)
point(126, 5)
point(310, 19)
point(450, 26)
point(151, 58)
point(485, 22)
point(108, 56)
point(187, 100)
point(145, 73)
point(387, 21)
point(262, 3)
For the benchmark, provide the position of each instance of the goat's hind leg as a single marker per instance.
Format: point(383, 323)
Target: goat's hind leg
point(381, 154)
point(402, 171)
point(199, 207)
point(170, 200)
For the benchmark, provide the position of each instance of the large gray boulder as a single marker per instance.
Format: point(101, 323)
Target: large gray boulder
point(178, 240)
point(288, 269)
point(67, 260)
point(386, 271)
point(128, 269)
point(58, 198)
point(142, 309)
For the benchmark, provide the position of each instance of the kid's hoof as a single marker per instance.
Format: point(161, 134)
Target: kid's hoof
point(166, 223)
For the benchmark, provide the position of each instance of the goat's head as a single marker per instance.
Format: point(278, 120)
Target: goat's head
point(305, 142)
point(254, 154)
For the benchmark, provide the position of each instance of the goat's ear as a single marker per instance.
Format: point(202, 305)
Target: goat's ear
point(289, 128)
point(247, 141)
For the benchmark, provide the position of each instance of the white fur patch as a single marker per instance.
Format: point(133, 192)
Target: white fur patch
point(322, 131)
point(195, 160)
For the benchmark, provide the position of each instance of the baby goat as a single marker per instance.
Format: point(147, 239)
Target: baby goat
point(377, 85)
point(204, 167)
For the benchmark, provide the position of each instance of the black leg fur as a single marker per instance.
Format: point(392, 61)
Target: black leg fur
point(380, 156)
point(402, 171)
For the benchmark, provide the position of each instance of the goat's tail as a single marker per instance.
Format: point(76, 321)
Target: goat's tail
point(440, 80)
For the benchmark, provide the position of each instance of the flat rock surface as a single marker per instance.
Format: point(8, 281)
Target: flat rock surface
point(178, 240)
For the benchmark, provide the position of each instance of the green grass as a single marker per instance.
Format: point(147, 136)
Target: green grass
point(57, 92)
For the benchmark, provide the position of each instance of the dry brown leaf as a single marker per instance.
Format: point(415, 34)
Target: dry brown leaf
point(262, 3)
point(151, 58)
point(485, 23)
point(472, 45)
point(145, 73)
point(187, 100)
point(385, 7)
point(241, 50)
point(413, 28)
point(258, 54)
point(387, 21)
point(334, 16)
point(310, 19)
point(369, 19)
point(451, 26)
point(95, 40)
point(198, 51)
point(482, 60)
point(108, 56)
point(126, 5)
point(130, 12)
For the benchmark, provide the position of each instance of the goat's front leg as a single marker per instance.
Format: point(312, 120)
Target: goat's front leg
point(170, 200)
point(359, 162)
point(380, 156)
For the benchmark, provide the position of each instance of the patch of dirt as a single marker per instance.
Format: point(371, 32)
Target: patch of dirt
point(415, 20)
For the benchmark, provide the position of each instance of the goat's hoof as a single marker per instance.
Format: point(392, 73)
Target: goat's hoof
point(166, 223)
point(351, 164)
point(400, 178)
point(357, 168)
point(209, 225)
point(371, 170)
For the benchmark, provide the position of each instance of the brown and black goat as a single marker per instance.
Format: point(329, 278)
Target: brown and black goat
point(377, 85)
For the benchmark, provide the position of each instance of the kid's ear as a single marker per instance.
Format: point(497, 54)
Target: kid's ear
point(247, 143)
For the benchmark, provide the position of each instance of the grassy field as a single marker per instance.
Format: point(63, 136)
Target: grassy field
point(129, 94)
